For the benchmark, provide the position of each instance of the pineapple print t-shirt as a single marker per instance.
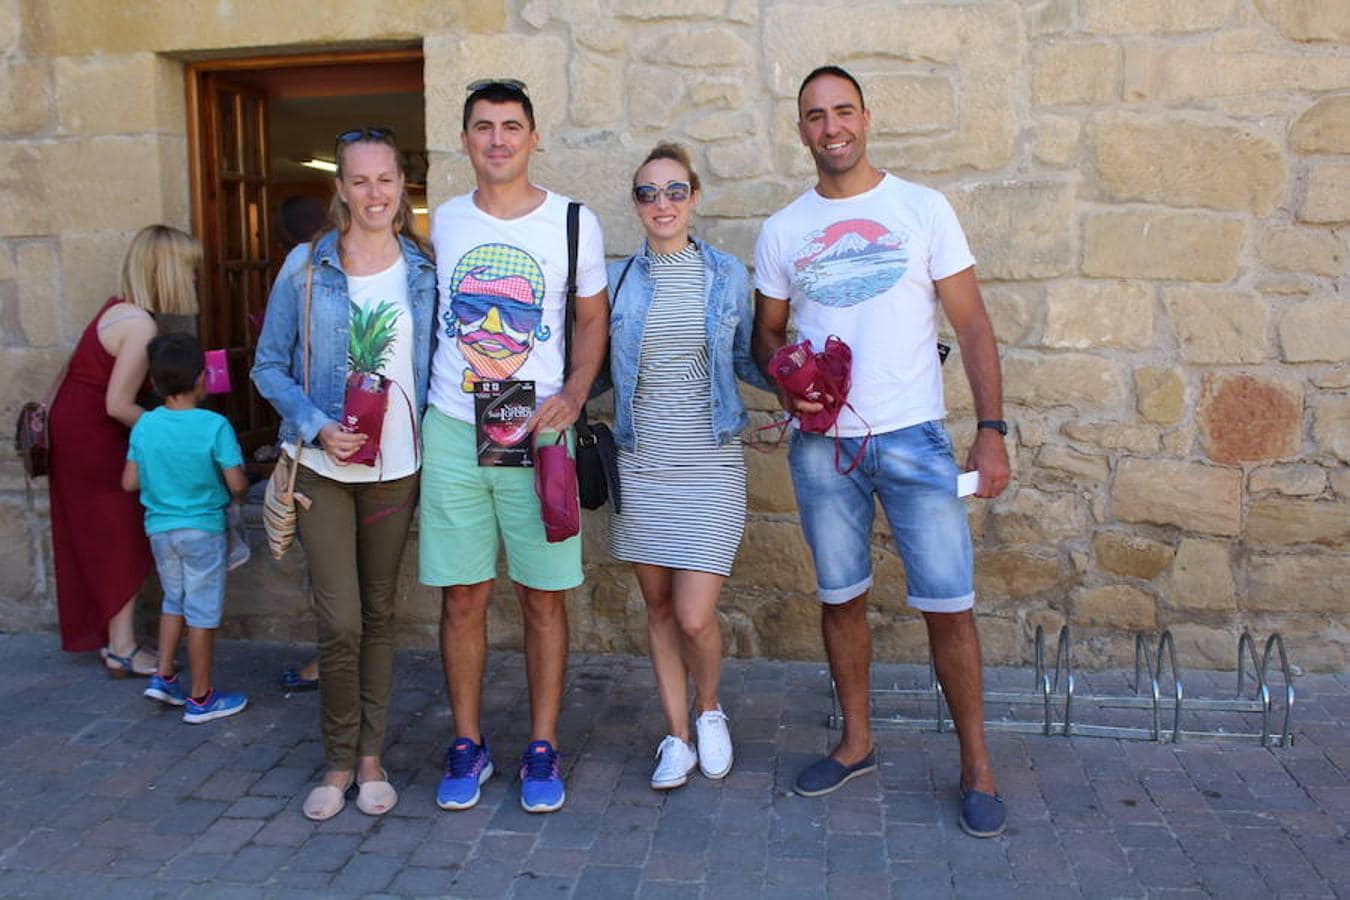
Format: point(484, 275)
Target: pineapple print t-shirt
point(380, 340)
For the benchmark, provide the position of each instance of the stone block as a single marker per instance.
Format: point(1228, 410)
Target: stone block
point(1218, 326)
point(774, 557)
point(91, 266)
point(25, 375)
point(1308, 20)
point(85, 197)
point(25, 192)
point(1160, 395)
point(720, 92)
point(1340, 481)
point(720, 125)
point(1075, 74)
point(1121, 553)
point(1155, 16)
point(1178, 74)
point(1062, 379)
point(898, 639)
point(18, 554)
point(1009, 308)
point(1292, 481)
point(746, 198)
point(1316, 331)
point(596, 176)
point(25, 106)
point(600, 38)
point(1058, 139)
point(1137, 439)
point(735, 236)
point(1119, 606)
point(1323, 127)
point(1246, 418)
point(1331, 426)
point(904, 104)
point(1018, 229)
point(659, 9)
point(1180, 162)
point(1081, 466)
point(1292, 248)
point(1201, 577)
point(1327, 194)
point(654, 96)
point(1278, 520)
point(738, 159)
point(1025, 515)
point(1190, 496)
point(1016, 573)
point(788, 627)
point(1083, 315)
point(596, 89)
point(696, 47)
point(133, 94)
point(1161, 245)
point(1204, 646)
point(1303, 583)
point(40, 306)
point(769, 488)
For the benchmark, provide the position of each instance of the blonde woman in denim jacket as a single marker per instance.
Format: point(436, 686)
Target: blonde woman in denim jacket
point(680, 324)
point(373, 301)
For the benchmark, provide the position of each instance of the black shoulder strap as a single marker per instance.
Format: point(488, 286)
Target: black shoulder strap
point(622, 275)
point(573, 237)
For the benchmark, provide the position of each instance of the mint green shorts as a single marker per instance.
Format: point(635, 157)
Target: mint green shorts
point(466, 507)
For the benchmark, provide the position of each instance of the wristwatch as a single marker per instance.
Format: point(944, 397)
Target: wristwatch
point(997, 424)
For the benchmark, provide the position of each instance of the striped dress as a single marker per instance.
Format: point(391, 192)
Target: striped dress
point(683, 495)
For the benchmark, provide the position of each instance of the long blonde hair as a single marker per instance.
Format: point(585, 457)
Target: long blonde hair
point(159, 271)
point(341, 215)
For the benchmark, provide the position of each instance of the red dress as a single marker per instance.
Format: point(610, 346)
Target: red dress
point(98, 530)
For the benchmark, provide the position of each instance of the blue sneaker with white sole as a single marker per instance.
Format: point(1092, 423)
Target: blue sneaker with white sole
point(541, 782)
point(467, 766)
point(165, 690)
point(215, 706)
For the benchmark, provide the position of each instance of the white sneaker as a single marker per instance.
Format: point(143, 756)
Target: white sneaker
point(714, 743)
point(675, 760)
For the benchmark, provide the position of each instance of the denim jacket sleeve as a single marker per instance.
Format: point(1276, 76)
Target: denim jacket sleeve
point(278, 356)
point(742, 360)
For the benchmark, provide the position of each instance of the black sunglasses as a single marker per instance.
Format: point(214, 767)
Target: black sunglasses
point(353, 135)
point(510, 84)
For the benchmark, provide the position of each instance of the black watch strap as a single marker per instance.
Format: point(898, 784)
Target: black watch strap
point(997, 424)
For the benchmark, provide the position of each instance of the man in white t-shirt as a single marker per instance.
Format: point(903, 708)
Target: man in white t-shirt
point(868, 257)
point(501, 268)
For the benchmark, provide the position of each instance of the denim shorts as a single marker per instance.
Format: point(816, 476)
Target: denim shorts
point(191, 566)
point(913, 473)
point(466, 507)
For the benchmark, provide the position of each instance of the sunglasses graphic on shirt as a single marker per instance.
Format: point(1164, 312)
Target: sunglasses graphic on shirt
point(519, 317)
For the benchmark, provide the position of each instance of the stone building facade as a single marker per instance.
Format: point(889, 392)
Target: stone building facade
point(1158, 195)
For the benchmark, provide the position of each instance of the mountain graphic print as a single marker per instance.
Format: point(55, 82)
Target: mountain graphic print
point(850, 261)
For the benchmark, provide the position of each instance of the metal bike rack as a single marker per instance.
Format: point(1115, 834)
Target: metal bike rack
point(1057, 698)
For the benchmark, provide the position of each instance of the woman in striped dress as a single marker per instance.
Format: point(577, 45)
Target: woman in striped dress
point(680, 324)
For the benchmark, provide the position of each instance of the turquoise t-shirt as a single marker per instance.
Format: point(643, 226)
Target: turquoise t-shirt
point(179, 455)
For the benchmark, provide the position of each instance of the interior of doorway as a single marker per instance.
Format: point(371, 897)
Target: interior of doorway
point(262, 139)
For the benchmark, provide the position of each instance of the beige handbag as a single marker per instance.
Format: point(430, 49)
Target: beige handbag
point(279, 514)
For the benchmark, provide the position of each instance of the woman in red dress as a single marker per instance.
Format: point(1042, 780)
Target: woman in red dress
point(98, 533)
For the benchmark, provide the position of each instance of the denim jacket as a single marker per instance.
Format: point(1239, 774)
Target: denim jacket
point(278, 361)
point(729, 319)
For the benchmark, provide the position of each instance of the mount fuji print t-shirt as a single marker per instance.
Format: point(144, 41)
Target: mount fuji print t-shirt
point(862, 268)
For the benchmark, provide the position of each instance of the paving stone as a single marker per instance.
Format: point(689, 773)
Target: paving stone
point(608, 882)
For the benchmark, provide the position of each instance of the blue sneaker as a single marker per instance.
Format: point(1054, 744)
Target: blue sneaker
point(467, 766)
point(541, 783)
point(165, 690)
point(217, 706)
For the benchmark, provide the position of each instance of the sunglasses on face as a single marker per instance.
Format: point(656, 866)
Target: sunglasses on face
point(510, 84)
point(519, 317)
point(675, 192)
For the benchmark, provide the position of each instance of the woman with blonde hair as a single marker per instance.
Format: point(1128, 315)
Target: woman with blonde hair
point(680, 323)
point(101, 553)
point(356, 305)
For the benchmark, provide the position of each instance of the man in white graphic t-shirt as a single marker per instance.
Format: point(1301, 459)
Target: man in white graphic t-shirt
point(501, 272)
point(868, 257)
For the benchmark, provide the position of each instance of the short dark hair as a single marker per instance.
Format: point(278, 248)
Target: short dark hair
point(837, 72)
point(499, 92)
point(176, 362)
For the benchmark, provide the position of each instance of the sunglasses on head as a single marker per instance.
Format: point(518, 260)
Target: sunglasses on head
point(510, 84)
point(675, 192)
point(353, 135)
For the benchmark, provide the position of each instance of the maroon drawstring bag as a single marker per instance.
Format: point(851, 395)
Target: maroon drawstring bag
point(364, 404)
point(821, 377)
point(555, 481)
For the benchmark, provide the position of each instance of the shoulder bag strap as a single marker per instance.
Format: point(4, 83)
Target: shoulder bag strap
point(573, 238)
point(304, 364)
point(622, 275)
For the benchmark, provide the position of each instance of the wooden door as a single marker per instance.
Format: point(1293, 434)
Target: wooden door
point(235, 235)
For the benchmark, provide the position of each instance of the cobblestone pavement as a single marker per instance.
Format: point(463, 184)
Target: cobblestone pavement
point(105, 794)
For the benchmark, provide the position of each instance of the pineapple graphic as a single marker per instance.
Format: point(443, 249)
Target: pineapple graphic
point(368, 350)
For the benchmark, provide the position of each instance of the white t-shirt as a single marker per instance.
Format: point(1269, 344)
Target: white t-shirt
point(383, 295)
point(862, 268)
point(501, 285)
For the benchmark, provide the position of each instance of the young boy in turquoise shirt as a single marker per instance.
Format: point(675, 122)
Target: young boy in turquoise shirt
point(186, 462)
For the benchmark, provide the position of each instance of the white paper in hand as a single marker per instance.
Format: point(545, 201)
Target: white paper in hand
point(967, 483)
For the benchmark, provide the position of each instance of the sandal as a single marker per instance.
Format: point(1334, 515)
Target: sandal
point(327, 800)
point(122, 666)
point(375, 798)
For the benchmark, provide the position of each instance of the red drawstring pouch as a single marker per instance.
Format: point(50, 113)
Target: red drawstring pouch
point(821, 377)
point(555, 481)
point(366, 398)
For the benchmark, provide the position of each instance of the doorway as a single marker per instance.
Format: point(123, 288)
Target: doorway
point(261, 138)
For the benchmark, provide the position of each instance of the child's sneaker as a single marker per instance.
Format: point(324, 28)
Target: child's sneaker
point(165, 690)
point(216, 706)
point(541, 783)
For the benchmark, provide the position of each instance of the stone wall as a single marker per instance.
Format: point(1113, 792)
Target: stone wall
point(1158, 194)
